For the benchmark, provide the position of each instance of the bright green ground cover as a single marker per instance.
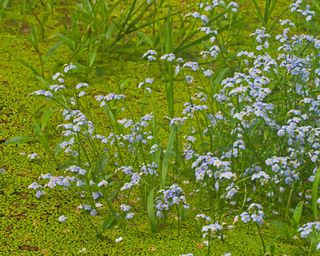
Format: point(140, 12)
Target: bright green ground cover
point(29, 226)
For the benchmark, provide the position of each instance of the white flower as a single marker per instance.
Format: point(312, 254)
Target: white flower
point(33, 156)
point(62, 218)
point(125, 207)
point(56, 76)
point(69, 67)
point(129, 215)
point(81, 85)
point(119, 239)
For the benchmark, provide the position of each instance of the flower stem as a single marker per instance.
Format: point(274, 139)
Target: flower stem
point(261, 238)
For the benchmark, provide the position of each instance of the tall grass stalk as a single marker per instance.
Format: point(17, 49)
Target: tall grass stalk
point(264, 15)
point(261, 239)
point(315, 195)
point(170, 72)
point(168, 156)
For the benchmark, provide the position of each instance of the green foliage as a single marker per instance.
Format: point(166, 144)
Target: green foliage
point(170, 72)
point(264, 15)
point(167, 156)
point(97, 28)
point(19, 139)
point(92, 32)
point(42, 117)
point(315, 195)
point(3, 6)
point(151, 211)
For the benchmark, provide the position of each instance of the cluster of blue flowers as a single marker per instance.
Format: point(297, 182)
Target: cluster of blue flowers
point(172, 196)
point(223, 132)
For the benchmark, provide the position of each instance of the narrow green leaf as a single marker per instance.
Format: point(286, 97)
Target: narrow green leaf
point(267, 9)
point(128, 15)
point(111, 29)
point(42, 138)
point(156, 155)
point(220, 75)
point(257, 9)
point(101, 163)
point(108, 221)
point(170, 78)
point(145, 38)
point(28, 66)
point(193, 43)
point(5, 4)
point(111, 117)
point(37, 127)
point(113, 194)
point(297, 214)
point(34, 39)
point(40, 134)
point(188, 38)
point(66, 40)
point(167, 155)
point(53, 48)
point(315, 188)
point(19, 140)
point(44, 19)
point(92, 57)
point(57, 151)
point(61, 100)
point(41, 79)
point(168, 33)
point(88, 5)
point(316, 4)
point(151, 212)
point(45, 117)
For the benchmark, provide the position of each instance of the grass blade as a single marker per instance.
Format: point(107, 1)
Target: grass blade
point(101, 163)
point(168, 47)
point(316, 4)
point(19, 140)
point(112, 118)
point(257, 9)
point(266, 11)
point(297, 214)
point(145, 38)
point(166, 158)
point(108, 222)
point(45, 117)
point(315, 188)
point(151, 213)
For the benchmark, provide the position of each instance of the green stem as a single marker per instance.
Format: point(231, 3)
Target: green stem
point(261, 238)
